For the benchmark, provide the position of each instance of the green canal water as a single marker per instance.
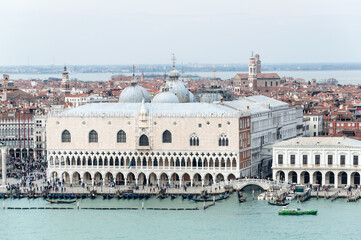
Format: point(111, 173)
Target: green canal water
point(228, 219)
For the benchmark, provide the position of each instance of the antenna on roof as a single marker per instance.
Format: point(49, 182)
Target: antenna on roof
point(173, 60)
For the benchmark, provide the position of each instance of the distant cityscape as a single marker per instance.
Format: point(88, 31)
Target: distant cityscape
point(189, 67)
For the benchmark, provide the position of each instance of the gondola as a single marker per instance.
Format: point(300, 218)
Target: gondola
point(45, 196)
point(21, 196)
point(162, 196)
point(83, 196)
point(78, 196)
point(278, 203)
point(67, 196)
point(141, 196)
point(190, 196)
point(135, 195)
point(173, 196)
point(185, 196)
point(130, 195)
point(125, 196)
point(30, 196)
point(15, 196)
point(119, 196)
point(93, 196)
point(241, 200)
point(147, 196)
point(72, 196)
point(105, 196)
point(55, 196)
point(35, 196)
point(1, 196)
point(61, 196)
point(51, 196)
point(110, 196)
point(60, 201)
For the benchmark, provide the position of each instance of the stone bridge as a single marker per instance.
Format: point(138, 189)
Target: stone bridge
point(262, 183)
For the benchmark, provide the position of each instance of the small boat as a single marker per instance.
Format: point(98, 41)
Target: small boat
point(298, 211)
point(72, 196)
point(35, 196)
point(162, 196)
point(30, 196)
point(130, 195)
point(67, 196)
point(15, 196)
point(78, 196)
point(125, 196)
point(119, 196)
point(1, 196)
point(6, 196)
point(190, 196)
point(290, 197)
point(147, 196)
point(278, 203)
point(61, 196)
point(50, 196)
point(61, 202)
point(93, 196)
point(173, 196)
point(185, 196)
point(55, 196)
point(21, 196)
point(135, 195)
point(105, 196)
point(110, 196)
point(141, 196)
point(241, 200)
point(45, 196)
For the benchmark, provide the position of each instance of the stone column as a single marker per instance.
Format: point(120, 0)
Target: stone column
point(180, 182)
point(349, 179)
point(3, 165)
point(125, 182)
point(202, 182)
point(136, 181)
point(336, 181)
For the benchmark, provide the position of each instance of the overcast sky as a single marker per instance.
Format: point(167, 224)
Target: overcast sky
point(44, 32)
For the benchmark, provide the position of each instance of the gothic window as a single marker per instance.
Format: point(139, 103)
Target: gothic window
point(143, 140)
point(194, 140)
point(65, 136)
point(167, 137)
point(223, 140)
point(93, 136)
point(121, 137)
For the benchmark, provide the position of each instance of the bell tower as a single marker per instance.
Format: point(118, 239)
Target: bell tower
point(252, 74)
point(65, 81)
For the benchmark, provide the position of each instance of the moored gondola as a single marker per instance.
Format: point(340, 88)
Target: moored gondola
point(130, 195)
point(141, 196)
point(105, 196)
point(278, 203)
point(83, 196)
point(78, 196)
point(120, 196)
point(125, 196)
point(110, 196)
point(93, 196)
point(55, 196)
point(61, 196)
point(135, 195)
point(147, 196)
point(60, 201)
point(241, 199)
point(173, 196)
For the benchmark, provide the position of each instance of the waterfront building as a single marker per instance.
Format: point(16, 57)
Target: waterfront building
point(148, 143)
point(255, 80)
point(333, 161)
point(272, 121)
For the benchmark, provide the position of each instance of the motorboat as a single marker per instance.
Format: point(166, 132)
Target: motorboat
point(297, 211)
point(278, 203)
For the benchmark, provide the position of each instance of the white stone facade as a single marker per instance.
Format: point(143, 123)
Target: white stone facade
point(181, 143)
point(331, 161)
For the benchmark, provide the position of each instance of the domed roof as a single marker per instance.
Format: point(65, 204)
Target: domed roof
point(179, 89)
point(174, 73)
point(134, 94)
point(165, 97)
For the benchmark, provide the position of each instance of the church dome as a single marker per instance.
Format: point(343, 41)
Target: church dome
point(174, 73)
point(179, 89)
point(165, 97)
point(134, 94)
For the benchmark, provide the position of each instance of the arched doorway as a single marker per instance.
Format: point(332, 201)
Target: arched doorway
point(208, 179)
point(119, 179)
point(342, 178)
point(280, 175)
point(231, 177)
point(317, 177)
point(219, 178)
point(142, 179)
point(186, 179)
point(292, 177)
point(304, 177)
point(66, 177)
point(130, 178)
point(330, 178)
point(87, 178)
point(197, 180)
point(76, 178)
point(98, 179)
point(355, 178)
point(174, 178)
point(163, 179)
point(153, 179)
point(109, 178)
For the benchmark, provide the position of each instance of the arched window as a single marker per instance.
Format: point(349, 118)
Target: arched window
point(223, 140)
point(65, 136)
point(143, 140)
point(167, 137)
point(121, 137)
point(194, 140)
point(93, 136)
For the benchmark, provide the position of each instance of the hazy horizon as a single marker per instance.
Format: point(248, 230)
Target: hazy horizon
point(93, 32)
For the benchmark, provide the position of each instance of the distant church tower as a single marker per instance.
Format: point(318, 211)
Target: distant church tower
point(258, 63)
point(252, 73)
point(65, 82)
